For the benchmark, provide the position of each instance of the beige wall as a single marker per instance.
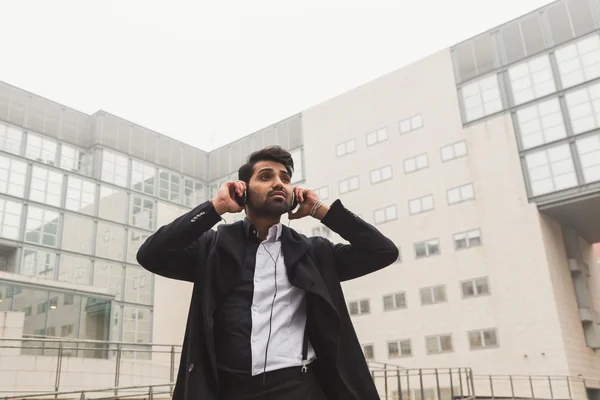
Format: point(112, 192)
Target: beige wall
point(512, 255)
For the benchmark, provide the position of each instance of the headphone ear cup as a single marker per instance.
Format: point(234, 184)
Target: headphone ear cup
point(294, 201)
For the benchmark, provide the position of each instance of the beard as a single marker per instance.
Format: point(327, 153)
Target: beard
point(269, 208)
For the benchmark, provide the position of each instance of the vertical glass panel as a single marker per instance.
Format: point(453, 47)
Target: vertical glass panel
point(483, 47)
point(584, 108)
point(42, 226)
point(513, 42)
point(38, 263)
point(551, 170)
point(94, 317)
point(193, 193)
point(74, 269)
point(138, 285)
point(46, 186)
point(531, 79)
point(579, 62)
point(481, 98)
point(40, 149)
point(114, 168)
point(113, 204)
point(169, 187)
point(117, 312)
point(589, 156)
point(78, 233)
point(582, 16)
point(110, 241)
point(63, 315)
point(136, 238)
point(70, 158)
point(143, 177)
point(560, 25)
point(541, 123)
point(10, 139)
point(6, 296)
point(143, 212)
point(81, 196)
point(533, 37)
point(34, 302)
point(10, 219)
point(465, 61)
point(109, 276)
point(298, 174)
point(136, 329)
point(12, 176)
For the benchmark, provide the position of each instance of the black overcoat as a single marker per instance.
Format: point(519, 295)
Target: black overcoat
point(188, 249)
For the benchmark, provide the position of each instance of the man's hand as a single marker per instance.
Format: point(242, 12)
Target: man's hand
point(224, 201)
point(307, 199)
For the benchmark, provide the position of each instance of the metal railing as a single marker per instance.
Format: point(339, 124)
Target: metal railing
point(115, 355)
point(142, 392)
point(397, 383)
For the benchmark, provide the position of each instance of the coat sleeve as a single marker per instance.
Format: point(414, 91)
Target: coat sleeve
point(369, 250)
point(177, 249)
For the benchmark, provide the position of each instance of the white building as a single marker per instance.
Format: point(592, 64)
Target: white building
point(482, 163)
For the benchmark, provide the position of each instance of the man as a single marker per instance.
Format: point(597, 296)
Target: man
point(268, 319)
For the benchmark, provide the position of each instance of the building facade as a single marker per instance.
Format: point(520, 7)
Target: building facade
point(481, 162)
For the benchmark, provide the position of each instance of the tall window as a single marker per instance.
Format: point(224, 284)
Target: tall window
point(465, 240)
point(551, 169)
point(584, 108)
point(12, 176)
point(579, 62)
point(541, 123)
point(81, 196)
point(70, 158)
point(454, 150)
point(114, 168)
point(41, 149)
point(481, 98)
point(589, 156)
point(142, 177)
point(10, 219)
point(46, 186)
point(193, 192)
point(38, 263)
point(143, 212)
point(169, 187)
point(10, 139)
point(475, 287)
point(531, 79)
point(42, 226)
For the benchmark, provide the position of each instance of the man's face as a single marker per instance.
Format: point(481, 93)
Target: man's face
point(270, 193)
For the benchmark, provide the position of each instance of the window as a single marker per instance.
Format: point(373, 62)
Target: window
point(460, 194)
point(298, 174)
point(108, 276)
point(531, 79)
point(322, 192)
point(75, 269)
point(41, 149)
point(81, 196)
point(400, 348)
point(114, 168)
point(394, 301)
point(10, 139)
point(359, 307)
point(483, 339)
point(385, 214)
point(377, 136)
point(433, 295)
point(12, 176)
point(193, 192)
point(411, 124)
point(78, 233)
point(66, 330)
point(169, 186)
point(10, 219)
point(41, 226)
point(138, 288)
point(110, 241)
point(142, 177)
point(46, 186)
point(38, 263)
point(438, 344)
point(481, 98)
point(322, 231)
point(551, 170)
point(143, 212)
point(368, 351)
point(136, 238)
point(345, 148)
point(416, 163)
point(589, 156)
point(427, 248)
point(70, 158)
point(381, 174)
point(421, 205)
point(136, 327)
point(454, 150)
point(579, 62)
point(464, 240)
point(584, 108)
point(113, 204)
point(475, 287)
point(541, 123)
point(349, 185)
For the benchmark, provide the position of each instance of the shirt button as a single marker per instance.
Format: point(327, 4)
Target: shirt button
point(254, 339)
point(254, 308)
point(256, 279)
point(191, 368)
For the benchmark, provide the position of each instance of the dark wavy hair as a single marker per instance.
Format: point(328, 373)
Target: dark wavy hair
point(270, 153)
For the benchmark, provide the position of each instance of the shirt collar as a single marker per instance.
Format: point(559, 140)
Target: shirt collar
point(274, 233)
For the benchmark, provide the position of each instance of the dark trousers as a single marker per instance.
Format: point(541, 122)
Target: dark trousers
point(283, 384)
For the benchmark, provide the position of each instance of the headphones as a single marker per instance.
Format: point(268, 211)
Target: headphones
point(243, 199)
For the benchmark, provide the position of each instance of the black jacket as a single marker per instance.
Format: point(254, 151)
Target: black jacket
point(187, 249)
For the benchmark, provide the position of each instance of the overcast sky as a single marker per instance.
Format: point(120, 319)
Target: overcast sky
point(208, 73)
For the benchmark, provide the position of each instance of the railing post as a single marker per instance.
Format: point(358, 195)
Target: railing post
point(531, 384)
point(172, 365)
point(491, 387)
point(512, 386)
point(399, 385)
point(551, 391)
point(569, 388)
point(421, 383)
point(58, 368)
point(451, 384)
point(472, 382)
point(151, 393)
point(385, 384)
point(462, 393)
point(117, 368)
point(82, 397)
point(437, 384)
